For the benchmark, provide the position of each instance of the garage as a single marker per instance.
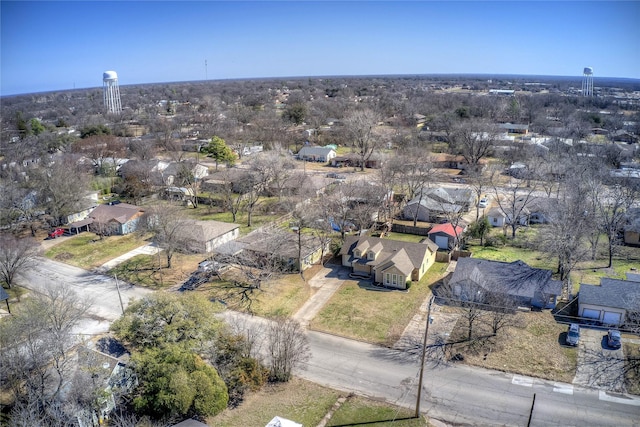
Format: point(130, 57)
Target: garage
point(442, 242)
point(591, 314)
point(611, 318)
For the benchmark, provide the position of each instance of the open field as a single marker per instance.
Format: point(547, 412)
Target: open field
point(377, 315)
point(151, 270)
point(307, 403)
point(88, 251)
point(533, 346)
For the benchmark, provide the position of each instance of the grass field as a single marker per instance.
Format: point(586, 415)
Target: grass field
point(204, 213)
point(307, 403)
point(376, 316)
point(88, 251)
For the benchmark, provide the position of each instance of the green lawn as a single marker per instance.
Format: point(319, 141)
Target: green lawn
point(307, 403)
point(88, 251)
point(358, 411)
point(376, 316)
point(298, 400)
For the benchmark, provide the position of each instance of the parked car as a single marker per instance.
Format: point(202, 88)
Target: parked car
point(614, 340)
point(573, 334)
point(483, 203)
point(56, 233)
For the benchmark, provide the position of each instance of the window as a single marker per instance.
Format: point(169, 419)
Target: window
point(371, 256)
point(387, 279)
point(400, 279)
point(356, 253)
point(395, 279)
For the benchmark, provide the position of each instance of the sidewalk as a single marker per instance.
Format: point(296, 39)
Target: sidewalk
point(148, 249)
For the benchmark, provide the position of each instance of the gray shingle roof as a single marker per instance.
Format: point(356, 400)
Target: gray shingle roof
point(517, 278)
point(611, 293)
point(415, 252)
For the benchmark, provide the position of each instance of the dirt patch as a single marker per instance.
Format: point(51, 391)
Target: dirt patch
point(531, 346)
point(63, 256)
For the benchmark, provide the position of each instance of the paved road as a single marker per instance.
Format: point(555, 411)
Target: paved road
point(458, 394)
point(101, 290)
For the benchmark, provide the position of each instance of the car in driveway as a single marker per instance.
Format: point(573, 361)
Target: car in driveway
point(614, 340)
point(483, 203)
point(573, 334)
point(57, 232)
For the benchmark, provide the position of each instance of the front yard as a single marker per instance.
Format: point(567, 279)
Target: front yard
point(89, 251)
point(375, 315)
point(307, 403)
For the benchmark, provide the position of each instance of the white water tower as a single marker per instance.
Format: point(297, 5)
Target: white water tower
point(587, 81)
point(111, 92)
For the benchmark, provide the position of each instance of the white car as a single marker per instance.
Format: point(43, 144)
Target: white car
point(483, 203)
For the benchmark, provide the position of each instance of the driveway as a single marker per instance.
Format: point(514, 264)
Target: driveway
point(598, 366)
point(323, 285)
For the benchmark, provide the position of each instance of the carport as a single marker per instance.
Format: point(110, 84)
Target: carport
point(78, 226)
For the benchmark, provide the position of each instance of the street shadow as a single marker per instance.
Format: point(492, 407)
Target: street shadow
point(390, 421)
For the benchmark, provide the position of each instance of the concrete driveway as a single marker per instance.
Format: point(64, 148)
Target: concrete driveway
point(324, 284)
point(598, 366)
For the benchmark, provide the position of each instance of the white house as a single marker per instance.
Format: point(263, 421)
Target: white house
point(316, 154)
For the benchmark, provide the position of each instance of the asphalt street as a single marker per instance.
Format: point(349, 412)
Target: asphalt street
point(99, 289)
point(455, 393)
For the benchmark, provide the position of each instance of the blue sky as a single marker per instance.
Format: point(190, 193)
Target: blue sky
point(55, 45)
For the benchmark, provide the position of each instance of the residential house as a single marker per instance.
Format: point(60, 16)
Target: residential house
point(206, 236)
point(354, 160)
point(440, 202)
point(87, 204)
point(612, 302)
point(229, 178)
point(282, 247)
point(541, 210)
point(108, 372)
point(514, 128)
point(390, 262)
point(478, 280)
point(119, 219)
point(316, 154)
point(631, 229)
point(446, 236)
point(498, 218)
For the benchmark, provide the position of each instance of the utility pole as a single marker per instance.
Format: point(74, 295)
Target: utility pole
point(119, 296)
point(424, 351)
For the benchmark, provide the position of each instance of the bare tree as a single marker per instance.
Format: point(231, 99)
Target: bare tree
point(168, 225)
point(287, 347)
point(514, 200)
point(36, 344)
point(16, 255)
point(359, 127)
point(474, 140)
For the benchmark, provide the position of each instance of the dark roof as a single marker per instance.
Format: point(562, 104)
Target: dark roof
point(387, 249)
point(611, 293)
point(3, 294)
point(517, 278)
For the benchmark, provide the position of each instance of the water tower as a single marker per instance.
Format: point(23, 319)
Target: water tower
point(111, 92)
point(587, 81)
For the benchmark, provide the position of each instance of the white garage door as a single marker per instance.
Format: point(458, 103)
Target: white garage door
point(442, 242)
point(611, 318)
point(591, 314)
